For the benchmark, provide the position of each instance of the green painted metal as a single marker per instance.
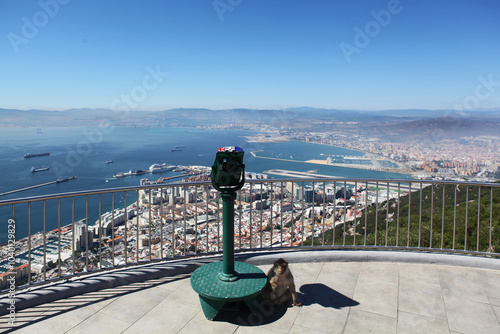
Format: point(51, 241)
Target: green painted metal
point(228, 273)
point(228, 281)
point(215, 293)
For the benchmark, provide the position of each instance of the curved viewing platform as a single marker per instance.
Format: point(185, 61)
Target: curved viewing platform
point(341, 292)
point(396, 255)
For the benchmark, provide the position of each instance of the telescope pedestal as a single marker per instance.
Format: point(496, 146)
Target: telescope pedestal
point(226, 281)
point(214, 293)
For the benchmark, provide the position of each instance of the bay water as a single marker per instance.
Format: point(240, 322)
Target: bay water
point(84, 151)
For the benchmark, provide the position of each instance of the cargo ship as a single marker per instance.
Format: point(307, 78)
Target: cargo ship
point(27, 155)
point(41, 169)
point(66, 179)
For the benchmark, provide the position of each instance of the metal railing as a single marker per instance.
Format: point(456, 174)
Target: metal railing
point(117, 227)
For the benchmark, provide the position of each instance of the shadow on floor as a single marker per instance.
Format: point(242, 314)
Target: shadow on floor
point(239, 313)
point(325, 296)
point(317, 293)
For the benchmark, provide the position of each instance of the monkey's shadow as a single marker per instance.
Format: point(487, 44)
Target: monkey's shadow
point(266, 313)
point(325, 296)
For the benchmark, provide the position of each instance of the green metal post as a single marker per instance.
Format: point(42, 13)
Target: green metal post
point(228, 274)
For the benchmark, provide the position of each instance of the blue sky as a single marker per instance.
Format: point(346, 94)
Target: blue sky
point(366, 54)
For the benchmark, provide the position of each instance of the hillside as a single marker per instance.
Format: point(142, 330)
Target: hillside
point(461, 219)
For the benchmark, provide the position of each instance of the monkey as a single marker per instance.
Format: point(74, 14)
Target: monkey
point(280, 285)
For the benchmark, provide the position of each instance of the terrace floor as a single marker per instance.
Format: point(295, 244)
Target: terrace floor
point(347, 296)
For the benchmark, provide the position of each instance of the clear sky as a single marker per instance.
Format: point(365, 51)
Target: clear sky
point(359, 54)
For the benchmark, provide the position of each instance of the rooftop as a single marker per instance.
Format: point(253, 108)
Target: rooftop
point(342, 291)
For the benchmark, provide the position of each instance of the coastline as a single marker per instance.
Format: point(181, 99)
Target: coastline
point(324, 163)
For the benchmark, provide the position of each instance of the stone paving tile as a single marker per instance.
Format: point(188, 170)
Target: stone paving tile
point(496, 309)
point(415, 324)
point(296, 329)
point(173, 283)
point(54, 325)
point(342, 276)
point(285, 322)
point(170, 316)
point(366, 322)
point(494, 301)
point(319, 318)
point(468, 316)
point(253, 330)
point(387, 273)
point(379, 298)
point(185, 294)
point(199, 324)
point(490, 280)
point(461, 282)
point(81, 310)
point(304, 273)
point(96, 324)
point(418, 298)
point(415, 273)
point(131, 307)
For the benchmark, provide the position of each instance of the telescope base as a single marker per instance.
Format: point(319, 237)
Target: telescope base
point(214, 293)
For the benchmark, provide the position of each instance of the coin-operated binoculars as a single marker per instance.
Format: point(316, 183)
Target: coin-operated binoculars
point(218, 283)
point(228, 176)
point(228, 170)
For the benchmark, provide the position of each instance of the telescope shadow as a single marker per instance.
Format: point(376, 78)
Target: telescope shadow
point(239, 313)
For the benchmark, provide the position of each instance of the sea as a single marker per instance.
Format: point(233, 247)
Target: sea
point(84, 151)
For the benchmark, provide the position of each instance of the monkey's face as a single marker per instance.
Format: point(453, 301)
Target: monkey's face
point(280, 270)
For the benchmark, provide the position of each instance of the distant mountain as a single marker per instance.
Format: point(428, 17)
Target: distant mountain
point(300, 117)
point(451, 126)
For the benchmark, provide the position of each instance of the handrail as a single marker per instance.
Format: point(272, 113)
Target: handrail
point(177, 184)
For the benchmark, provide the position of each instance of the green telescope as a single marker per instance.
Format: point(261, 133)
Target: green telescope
point(228, 170)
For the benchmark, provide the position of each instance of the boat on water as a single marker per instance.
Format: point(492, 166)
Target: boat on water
point(159, 168)
point(176, 149)
point(66, 179)
point(41, 169)
point(27, 155)
point(130, 173)
point(109, 161)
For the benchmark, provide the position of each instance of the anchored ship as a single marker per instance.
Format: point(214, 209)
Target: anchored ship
point(27, 155)
point(41, 169)
point(66, 179)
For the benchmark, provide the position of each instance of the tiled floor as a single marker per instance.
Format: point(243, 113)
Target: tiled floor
point(338, 297)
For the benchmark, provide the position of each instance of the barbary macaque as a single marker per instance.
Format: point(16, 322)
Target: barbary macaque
point(280, 286)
